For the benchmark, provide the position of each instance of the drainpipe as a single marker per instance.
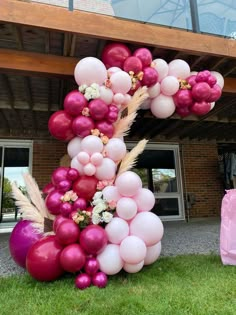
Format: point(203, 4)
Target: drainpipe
point(194, 16)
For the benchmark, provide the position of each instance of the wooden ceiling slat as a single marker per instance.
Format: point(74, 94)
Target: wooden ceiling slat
point(30, 101)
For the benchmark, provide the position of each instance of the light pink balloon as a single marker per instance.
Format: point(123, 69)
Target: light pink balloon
point(73, 147)
point(212, 105)
point(161, 67)
point(110, 261)
point(219, 78)
point(120, 82)
point(106, 94)
point(115, 149)
point(146, 104)
point(90, 70)
point(83, 157)
point(148, 227)
point(154, 90)
point(110, 193)
point(153, 253)
point(128, 184)
point(117, 229)
point(91, 144)
point(96, 158)
point(126, 208)
point(127, 99)
point(179, 69)
point(162, 106)
point(133, 250)
point(106, 170)
point(169, 85)
point(77, 165)
point(133, 268)
point(145, 199)
point(89, 169)
point(118, 98)
point(113, 70)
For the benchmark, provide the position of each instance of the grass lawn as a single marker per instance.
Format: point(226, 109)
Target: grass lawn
point(193, 285)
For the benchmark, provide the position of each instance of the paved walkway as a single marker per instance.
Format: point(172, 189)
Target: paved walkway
point(199, 236)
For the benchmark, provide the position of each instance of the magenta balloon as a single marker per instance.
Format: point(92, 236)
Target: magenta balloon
point(100, 280)
point(53, 201)
point(203, 76)
point(57, 221)
point(22, 238)
point(201, 91)
point(66, 208)
point(211, 80)
point(106, 128)
point(111, 116)
point(43, 259)
point(59, 174)
point(83, 281)
point(48, 188)
point(93, 239)
point(64, 185)
point(72, 174)
point(133, 64)
point(80, 204)
point(82, 126)
point(91, 266)
point(183, 111)
point(144, 55)
point(150, 76)
point(200, 108)
point(115, 54)
point(113, 108)
point(72, 258)
point(74, 103)
point(98, 109)
point(183, 98)
point(67, 232)
point(216, 92)
point(192, 80)
point(60, 126)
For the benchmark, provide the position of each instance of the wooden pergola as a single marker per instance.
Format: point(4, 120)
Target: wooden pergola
point(41, 44)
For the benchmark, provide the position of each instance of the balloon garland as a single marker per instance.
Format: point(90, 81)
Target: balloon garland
point(95, 219)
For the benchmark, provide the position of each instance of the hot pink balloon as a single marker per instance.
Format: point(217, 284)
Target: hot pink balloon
point(90, 70)
point(111, 116)
point(107, 170)
point(153, 253)
point(183, 111)
point(99, 279)
point(106, 94)
point(48, 188)
point(73, 147)
point(109, 259)
point(115, 149)
point(80, 204)
point(57, 221)
point(110, 193)
point(128, 184)
point(60, 126)
point(53, 201)
point(59, 174)
point(211, 80)
point(144, 55)
point(120, 82)
point(150, 76)
point(117, 229)
point(169, 85)
point(83, 281)
point(154, 90)
point(97, 109)
point(82, 126)
point(72, 174)
point(106, 128)
point(67, 232)
point(215, 94)
point(74, 103)
point(91, 266)
point(93, 239)
point(72, 258)
point(192, 80)
point(133, 250)
point(201, 91)
point(133, 64)
point(115, 54)
point(64, 185)
point(162, 68)
point(203, 76)
point(126, 208)
point(66, 208)
point(162, 106)
point(183, 98)
point(179, 69)
point(200, 108)
point(145, 199)
point(91, 144)
point(133, 268)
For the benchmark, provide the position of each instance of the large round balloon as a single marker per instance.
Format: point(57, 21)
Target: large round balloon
point(67, 232)
point(93, 239)
point(115, 54)
point(60, 126)
point(43, 259)
point(162, 106)
point(23, 236)
point(117, 229)
point(72, 258)
point(74, 103)
point(128, 184)
point(133, 250)
point(109, 259)
point(85, 187)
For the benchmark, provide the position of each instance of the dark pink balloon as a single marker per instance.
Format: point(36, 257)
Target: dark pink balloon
point(64, 185)
point(22, 238)
point(83, 281)
point(93, 239)
point(72, 174)
point(48, 188)
point(133, 64)
point(67, 232)
point(60, 126)
point(203, 76)
point(200, 108)
point(91, 266)
point(183, 98)
point(72, 258)
point(59, 174)
point(216, 93)
point(57, 221)
point(150, 76)
point(114, 55)
point(144, 55)
point(98, 109)
point(211, 80)
point(201, 91)
point(85, 186)
point(111, 117)
point(80, 204)
point(53, 201)
point(66, 208)
point(113, 108)
point(74, 103)
point(191, 80)
point(99, 280)
point(106, 128)
point(183, 111)
point(43, 259)
point(82, 126)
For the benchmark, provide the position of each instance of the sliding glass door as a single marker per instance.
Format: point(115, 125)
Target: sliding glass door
point(15, 158)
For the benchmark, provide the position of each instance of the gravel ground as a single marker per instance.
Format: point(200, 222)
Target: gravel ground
point(199, 236)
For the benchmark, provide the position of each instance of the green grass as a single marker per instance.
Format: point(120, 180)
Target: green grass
point(193, 285)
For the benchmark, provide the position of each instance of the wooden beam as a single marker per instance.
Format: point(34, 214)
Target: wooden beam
point(112, 28)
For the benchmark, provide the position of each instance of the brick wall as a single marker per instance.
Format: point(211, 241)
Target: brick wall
point(201, 177)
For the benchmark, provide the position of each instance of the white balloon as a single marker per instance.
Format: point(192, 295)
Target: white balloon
point(161, 67)
point(179, 69)
point(132, 250)
point(153, 253)
point(74, 147)
point(212, 105)
point(154, 90)
point(126, 208)
point(77, 165)
point(120, 82)
point(91, 144)
point(128, 183)
point(162, 106)
point(117, 229)
point(219, 78)
point(133, 268)
point(110, 193)
point(145, 199)
point(115, 149)
point(169, 85)
point(148, 227)
point(106, 170)
point(106, 94)
point(110, 261)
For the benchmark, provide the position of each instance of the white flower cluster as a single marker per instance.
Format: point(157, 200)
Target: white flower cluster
point(99, 213)
point(90, 92)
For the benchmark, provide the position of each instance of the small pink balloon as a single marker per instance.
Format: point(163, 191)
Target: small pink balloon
point(161, 66)
point(106, 94)
point(162, 106)
point(67, 232)
point(169, 85)
point(216, 93)
point(133, 250)
point(97, 109)
point(83, 157)
point(91, 144)
point(192, 80)
point(133, 268)
point(66, 208)
point(83, 281)
point(144, 55)
point(106, 128)
point(91, 266)
point(89, 169)
point(112, 70)
point(73, 147)
point(133, 64)
point(53, 202)
point(127, 99)
point(120, 82)
point(80, 204)
point(179, 69)
point(118, 98)
point(111, 117)
point(99, 280)
point(48, 188)
point(57, 221)
point(74, 103)
point(64, 185)
point(72, 174)
point(154, 90)
point(126, 208)
point(115, 149)
point(211, 80)
point(128, 184)
point(59, 174)
point(96, 159)
point(93, 239)
point(150, 76)
point(82, 126)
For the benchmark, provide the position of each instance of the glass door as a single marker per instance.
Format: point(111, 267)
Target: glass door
point(16, 158)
